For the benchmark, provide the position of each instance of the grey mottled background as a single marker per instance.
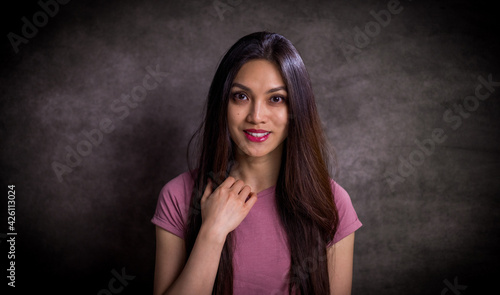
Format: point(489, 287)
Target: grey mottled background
point(430, 219)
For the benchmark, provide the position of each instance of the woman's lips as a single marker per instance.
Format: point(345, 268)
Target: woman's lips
point(256, 135)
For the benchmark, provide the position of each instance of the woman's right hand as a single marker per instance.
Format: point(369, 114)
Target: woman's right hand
point(223, 209)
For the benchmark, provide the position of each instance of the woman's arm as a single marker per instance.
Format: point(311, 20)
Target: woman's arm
point(170, 259)
point(197, 276)
point(340, 256)
point(222, 211)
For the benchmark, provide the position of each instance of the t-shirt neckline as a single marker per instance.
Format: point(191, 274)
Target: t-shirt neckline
point(267, 191)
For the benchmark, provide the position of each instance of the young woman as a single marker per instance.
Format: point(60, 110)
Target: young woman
point(259, 214)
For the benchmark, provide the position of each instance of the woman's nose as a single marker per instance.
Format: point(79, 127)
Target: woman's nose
point(257, 112)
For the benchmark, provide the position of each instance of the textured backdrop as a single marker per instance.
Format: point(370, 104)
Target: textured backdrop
point(99, 100)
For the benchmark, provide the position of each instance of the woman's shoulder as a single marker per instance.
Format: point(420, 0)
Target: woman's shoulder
point(180, 185)
point(340, 195)
point(173, 204)
point(337, 189)
point(348, 219)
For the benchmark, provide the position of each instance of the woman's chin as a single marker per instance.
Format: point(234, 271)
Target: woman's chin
point(253, 153)
point(259, 151)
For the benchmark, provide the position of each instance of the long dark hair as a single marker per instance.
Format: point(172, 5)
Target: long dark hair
point(303, 191)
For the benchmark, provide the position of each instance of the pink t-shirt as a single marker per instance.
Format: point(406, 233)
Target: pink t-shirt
point(261, 258)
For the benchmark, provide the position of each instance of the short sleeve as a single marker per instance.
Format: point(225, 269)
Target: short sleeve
point(173, 205)
point(348, 219)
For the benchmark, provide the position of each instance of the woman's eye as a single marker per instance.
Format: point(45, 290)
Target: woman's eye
point(239, 96)
point(277, 99)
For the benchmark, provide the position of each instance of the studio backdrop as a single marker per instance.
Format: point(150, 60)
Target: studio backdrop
point(99, 100)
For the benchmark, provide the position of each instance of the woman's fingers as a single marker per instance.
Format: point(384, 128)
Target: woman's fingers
point(236, 187)
point(250, 201)
point(245, 192)
point(224, 207)
point(228, 182)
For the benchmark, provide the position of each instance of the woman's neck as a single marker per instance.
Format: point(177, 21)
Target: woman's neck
point(259, 173)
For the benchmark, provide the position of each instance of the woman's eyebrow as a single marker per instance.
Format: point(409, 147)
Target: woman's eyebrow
point(249, 90)
point(276, 89)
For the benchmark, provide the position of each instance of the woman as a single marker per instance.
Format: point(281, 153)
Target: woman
point(259, 214)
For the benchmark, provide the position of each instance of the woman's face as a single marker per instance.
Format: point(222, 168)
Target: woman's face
point(258, 110)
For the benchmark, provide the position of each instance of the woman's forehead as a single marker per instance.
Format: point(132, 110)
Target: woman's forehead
point(259, 75)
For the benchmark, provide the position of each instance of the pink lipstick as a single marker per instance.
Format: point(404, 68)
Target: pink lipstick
point(256, 135)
